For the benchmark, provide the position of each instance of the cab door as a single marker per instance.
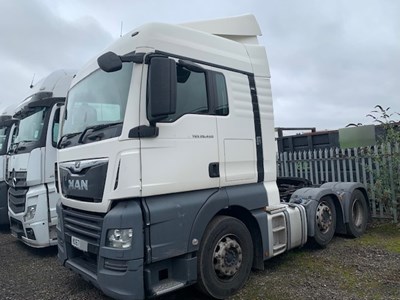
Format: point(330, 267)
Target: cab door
point(184, 156)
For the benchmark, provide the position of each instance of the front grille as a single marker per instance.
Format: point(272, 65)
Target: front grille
point(83, 225)
point(83, 180)
point(17, 199)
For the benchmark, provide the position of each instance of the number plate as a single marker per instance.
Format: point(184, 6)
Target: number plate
point(80, 244)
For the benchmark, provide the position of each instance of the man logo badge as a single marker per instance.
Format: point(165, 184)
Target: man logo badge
point(76, 167)
point(78, 184)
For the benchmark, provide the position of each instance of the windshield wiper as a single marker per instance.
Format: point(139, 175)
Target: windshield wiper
point(24, 141)
point(67, 136)
point(96, 128)
point(22, 147)
point(17, 146)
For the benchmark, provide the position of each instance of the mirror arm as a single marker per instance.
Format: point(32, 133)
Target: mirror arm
point(136, 58)
point(191, 66)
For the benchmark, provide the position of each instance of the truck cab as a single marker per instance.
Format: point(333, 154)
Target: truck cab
point(32, 192)
point(7, 127)
point(167, 168)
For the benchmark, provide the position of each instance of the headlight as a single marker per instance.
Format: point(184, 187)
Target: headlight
point(119, 238)
point(30, 213)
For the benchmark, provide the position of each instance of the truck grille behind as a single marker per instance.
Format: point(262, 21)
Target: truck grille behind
point(16, 179)
point(17, 199)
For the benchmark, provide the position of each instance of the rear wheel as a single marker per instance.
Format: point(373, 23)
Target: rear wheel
point(325, 222)
point(358, 217)
point(225, 257)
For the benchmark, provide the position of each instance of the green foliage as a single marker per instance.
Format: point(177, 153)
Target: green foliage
point(385, 235)
point(386, 160)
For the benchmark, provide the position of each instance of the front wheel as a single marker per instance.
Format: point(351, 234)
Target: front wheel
point(225, 257)
point(358, 217)
point(325, 221)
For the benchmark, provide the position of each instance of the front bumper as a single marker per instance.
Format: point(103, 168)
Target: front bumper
point(117, 272)
point(36, 232)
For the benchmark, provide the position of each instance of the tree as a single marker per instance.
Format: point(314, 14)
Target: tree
point(386, 159)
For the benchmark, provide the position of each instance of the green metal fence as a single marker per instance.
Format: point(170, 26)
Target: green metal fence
point(377, 167)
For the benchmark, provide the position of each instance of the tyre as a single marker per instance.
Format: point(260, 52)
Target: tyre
point(358, 214)
point(225, 257)
point(325, 222)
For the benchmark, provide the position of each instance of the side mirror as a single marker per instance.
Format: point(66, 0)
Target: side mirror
point(161, 88)
point(110, 62)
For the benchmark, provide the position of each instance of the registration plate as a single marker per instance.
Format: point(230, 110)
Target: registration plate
point(79, 243)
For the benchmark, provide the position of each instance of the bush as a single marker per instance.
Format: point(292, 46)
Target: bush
point(386, 158)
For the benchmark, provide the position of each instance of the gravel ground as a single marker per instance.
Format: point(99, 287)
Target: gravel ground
point(364, 268)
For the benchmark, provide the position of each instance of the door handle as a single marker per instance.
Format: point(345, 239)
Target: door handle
point(213, 169)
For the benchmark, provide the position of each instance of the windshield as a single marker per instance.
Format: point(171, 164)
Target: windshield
point(30, 127)
point(98, 99)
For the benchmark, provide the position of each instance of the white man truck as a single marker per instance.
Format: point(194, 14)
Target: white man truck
point(167, 169)
point(32, 192)
point(7, 125)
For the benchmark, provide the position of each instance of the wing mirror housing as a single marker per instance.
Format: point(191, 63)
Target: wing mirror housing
point(161, 91)
point(110, 62)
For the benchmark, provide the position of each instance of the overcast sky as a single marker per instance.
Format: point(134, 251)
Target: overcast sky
point(331, 61)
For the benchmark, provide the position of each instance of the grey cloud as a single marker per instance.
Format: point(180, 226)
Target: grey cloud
point(331, 62)
point(35, 40)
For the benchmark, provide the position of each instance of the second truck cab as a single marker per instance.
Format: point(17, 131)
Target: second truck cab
point(32, 191)
point(7, 126)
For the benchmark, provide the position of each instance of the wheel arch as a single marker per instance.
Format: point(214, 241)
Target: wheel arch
point(252, 214)
point(252, 224)
point(309, 198)
point(344, 191)
point(251, 221)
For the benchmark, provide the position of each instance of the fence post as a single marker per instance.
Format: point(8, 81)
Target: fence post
point(310, 165)
point(332, 155)
point(321, 165)
point(285, 164)
point(315, 157)
point(364, 171)
point(391, 179)
point(356, 164)
point(327, 157)
point(350, 160)
point(339, 176)
point(372, 180)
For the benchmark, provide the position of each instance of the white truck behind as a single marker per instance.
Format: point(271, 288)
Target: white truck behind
point(7, 126)
point(168, 175)
point(32, 191)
